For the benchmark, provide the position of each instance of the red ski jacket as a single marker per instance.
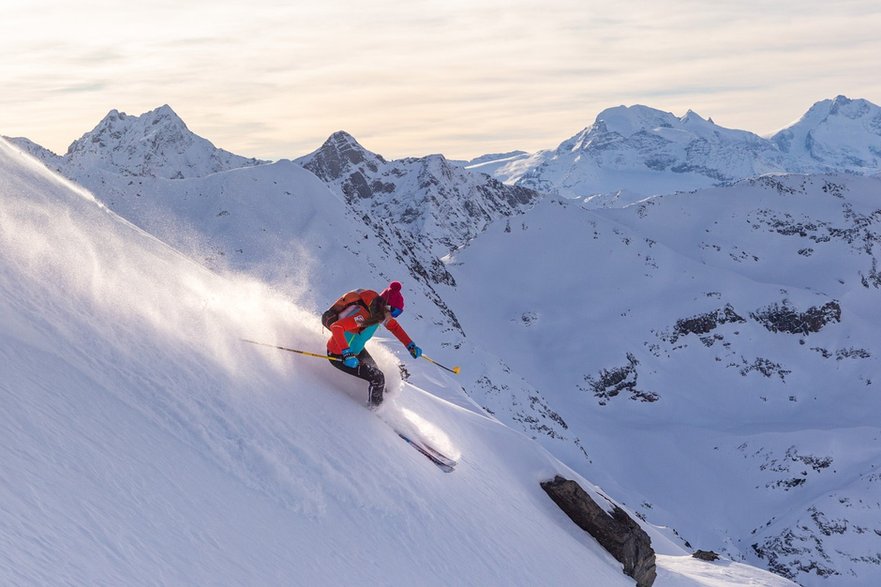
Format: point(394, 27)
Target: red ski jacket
point(349, 331)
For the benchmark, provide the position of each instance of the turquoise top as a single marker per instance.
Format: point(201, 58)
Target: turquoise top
point(357, 340)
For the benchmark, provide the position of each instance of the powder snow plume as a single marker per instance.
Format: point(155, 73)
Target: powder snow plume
point(94, 264)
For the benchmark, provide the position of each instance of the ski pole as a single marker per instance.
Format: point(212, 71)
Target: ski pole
point(299, 352)
point(455, 370)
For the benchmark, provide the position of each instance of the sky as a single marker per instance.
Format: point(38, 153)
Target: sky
point(273, 79)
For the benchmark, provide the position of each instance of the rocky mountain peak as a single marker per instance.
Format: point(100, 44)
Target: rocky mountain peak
point(156, 143)
point(438, 165)
point(841, 100)
point(165, 117)
point(340, 156)
point(692, 116)
point(341, 139)
point(117, 127)
point(423, 195)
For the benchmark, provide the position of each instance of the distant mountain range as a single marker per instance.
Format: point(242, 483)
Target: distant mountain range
point(631, 152)
point(626, 154)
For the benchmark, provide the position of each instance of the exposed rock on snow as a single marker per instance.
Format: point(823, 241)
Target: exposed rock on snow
point(784, 318)
point(611, 382)
point(617, 532)
point(702, 324)
point(706, 555)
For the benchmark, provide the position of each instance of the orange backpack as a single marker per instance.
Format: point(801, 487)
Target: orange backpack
point(358, 298)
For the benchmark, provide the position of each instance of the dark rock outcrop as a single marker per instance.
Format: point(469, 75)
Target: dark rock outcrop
point(611, 382)
point(617, 532)
point(705, 323)
point(784, 318)
point(706, 555)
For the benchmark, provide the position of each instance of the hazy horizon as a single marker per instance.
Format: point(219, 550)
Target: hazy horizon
point(271, 80)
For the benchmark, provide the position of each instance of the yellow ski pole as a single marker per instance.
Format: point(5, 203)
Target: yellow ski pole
point(455, 370)
point(299, 352)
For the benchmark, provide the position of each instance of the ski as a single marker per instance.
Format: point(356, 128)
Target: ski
point(443, 462)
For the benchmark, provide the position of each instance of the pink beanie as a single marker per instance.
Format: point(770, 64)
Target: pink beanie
point(392, 295)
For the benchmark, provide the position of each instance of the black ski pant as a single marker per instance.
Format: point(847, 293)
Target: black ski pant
point(368, 370)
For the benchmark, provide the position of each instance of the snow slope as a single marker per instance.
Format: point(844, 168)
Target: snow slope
point(143, 443)
point(314, 240)
point(716, 353)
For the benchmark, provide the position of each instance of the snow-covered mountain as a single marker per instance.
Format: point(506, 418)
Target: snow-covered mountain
point(631, 152)
point(490, 163)
point(156, 143)
point(717, 347)
point(429, 195)
point(643, 150)
point(834, 135)
point(142, 442)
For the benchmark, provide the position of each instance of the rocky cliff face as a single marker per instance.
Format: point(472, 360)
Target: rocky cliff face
point(435, 201)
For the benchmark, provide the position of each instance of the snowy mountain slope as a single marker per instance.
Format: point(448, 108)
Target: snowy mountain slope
point(490, 163)
point(715, 352)
point(632, 152)
point(280, 223)
point(156, 143)
point(419, 209)
point(275, 220)
point(142, 442)
point(49, 158)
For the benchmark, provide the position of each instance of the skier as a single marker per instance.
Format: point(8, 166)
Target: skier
point(353, 320)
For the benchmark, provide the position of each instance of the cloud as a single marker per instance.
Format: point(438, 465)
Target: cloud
point(81, 88)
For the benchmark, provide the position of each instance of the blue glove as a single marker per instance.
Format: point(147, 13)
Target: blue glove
point(349, 359)
point(415, 351)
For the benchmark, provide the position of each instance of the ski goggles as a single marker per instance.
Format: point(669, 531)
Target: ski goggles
point(395, 312)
